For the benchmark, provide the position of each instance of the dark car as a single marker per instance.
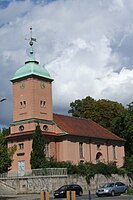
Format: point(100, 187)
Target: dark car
point(62, 191)
point(111, 189)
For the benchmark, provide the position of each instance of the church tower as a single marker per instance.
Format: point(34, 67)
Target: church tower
point(32, 104)
point(32, 95)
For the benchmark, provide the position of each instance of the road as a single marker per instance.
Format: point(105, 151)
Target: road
point(84, 197)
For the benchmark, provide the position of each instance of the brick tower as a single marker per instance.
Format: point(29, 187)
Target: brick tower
point(32, 104)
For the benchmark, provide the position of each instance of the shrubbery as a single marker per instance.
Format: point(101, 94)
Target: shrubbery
point(84, 169)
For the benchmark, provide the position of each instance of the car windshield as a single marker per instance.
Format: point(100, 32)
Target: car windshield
point(63, 187)
point(108, 185)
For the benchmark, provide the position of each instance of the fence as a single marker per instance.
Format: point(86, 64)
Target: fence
point(50, 172)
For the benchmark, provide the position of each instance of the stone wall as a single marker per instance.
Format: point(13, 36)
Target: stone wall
point(43, 183)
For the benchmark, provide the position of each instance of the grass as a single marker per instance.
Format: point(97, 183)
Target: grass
point(130, 191)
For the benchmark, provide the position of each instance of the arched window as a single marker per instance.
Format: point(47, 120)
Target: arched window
point(98, 157)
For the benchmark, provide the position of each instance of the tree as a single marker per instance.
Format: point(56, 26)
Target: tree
point(6, 154)
point(82, 108)
point(38, 159)
point(128, 164)
point(101, 111)
point(123, 126)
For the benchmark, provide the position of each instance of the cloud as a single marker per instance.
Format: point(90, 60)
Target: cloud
point(85, 45)
point(15, 10)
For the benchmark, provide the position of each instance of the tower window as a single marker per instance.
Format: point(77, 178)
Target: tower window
point(42, 103)
point(22, 104)
point(25, 103)
point(21, 146)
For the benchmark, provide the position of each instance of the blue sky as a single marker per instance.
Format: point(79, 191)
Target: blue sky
point(87, 47)
point(5, 3)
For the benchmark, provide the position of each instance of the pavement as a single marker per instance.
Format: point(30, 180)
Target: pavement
point(20, 197)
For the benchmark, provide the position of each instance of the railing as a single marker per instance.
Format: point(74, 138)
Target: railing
point(50, 172)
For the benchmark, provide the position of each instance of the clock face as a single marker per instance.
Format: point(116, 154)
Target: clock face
point(42, 84)
point(22, 85)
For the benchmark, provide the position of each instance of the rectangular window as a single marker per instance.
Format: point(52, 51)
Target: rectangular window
point(22, 104)
point(46, 150)
point(21, 146)
point(114, 152)
point(81, 150)
point(42, 103)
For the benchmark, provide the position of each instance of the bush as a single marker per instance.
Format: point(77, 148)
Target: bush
point(128, 163)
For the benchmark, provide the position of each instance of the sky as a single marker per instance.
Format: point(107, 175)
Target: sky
point(87, 47)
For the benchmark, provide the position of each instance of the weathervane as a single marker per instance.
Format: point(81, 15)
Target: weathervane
point(31, 41)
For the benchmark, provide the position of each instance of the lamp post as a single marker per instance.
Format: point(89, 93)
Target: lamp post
point(2, 99)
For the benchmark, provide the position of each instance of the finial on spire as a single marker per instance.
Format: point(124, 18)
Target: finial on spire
point(31, 41)
point(31, 55)
point(31, 38)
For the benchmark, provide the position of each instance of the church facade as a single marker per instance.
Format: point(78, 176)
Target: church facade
point(66, 138)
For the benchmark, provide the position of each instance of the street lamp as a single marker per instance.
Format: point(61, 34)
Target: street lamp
point(3, 99)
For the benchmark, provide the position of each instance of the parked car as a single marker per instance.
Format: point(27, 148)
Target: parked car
point(62, 191)
point(112, 189)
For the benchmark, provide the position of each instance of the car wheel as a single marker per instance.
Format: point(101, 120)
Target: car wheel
point(126, 191)
point(80, 193)
point(113, 193)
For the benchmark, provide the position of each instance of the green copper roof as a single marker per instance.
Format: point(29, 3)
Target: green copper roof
point(31, 67)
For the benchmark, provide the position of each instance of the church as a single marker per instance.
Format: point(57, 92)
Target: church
point(67, 138)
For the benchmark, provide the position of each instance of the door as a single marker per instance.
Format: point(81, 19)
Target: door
point(21, 168)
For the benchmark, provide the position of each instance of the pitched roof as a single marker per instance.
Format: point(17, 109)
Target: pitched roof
point(83, 127)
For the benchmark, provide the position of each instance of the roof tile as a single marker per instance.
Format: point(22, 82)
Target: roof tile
point(83, 127)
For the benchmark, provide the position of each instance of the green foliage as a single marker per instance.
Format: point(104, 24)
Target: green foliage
point(106, 169)
point(38, 159)
point(130, 191)
point(112, 168)
point(5, 160)
point(101, 111)
point(71, 169)
point(123, 127)
point(128, 164)
point(88, 170)
point(5, 131)
point(90, 176)
point(5, 155)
